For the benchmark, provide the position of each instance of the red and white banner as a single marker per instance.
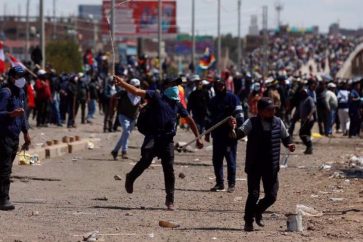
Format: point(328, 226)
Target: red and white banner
point(2, 58)
point(15, 62)
point(138, 18)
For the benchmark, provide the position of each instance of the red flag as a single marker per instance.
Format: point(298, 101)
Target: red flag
point(14, 61)
point(2, 58)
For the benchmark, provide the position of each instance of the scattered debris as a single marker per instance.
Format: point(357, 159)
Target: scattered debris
point(307, 211)
point(35, 213)
point(237, 199)
point(128, 214)
point(181, 175)
point(336, 199)
point(338, 175)
point(294, 222)
point(151, 235)
point(117, 178)
point(325, 167)
point(90, 145)
point(91, 236)
point(168, 224)
point(241, 179)
point(355, 161)
point(34, 178)
point(101, 199)
point(28, 159)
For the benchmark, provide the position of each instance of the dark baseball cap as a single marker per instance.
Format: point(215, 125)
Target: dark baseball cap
point(265, 103)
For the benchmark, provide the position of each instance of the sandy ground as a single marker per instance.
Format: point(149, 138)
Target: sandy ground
point(87, 197)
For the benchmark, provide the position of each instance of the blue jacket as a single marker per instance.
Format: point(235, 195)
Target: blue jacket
point(11, 99)
point(220, 107)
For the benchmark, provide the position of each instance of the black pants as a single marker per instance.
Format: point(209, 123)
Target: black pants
point(305, 133)
point(42, 112)
point(82, 104)
point(355, 123)
point(270, 186)
point(8, 149)
point(107, 121)
point(164, 149)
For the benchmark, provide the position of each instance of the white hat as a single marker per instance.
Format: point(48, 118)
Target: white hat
point(41, 72)
point(332, 85)
point(195, 78)
point(205, 83)
point(135, 82)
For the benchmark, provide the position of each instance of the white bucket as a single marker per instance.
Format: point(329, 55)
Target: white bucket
point(294, 222)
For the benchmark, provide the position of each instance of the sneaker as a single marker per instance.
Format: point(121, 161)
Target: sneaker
point(114, 155)
point(259, 220)
point(217, 188)
point(6, 205)
point(248, 227)
point(129, 184)
point(231, 188)
point(170, 206)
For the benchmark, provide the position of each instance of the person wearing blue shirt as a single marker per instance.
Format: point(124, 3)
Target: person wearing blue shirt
point(159, 130)
point(221, 106)
point(12, 122)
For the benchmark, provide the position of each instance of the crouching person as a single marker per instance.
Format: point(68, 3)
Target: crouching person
point(265, 133)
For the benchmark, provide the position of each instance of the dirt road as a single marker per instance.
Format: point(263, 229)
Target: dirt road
point(85, 197)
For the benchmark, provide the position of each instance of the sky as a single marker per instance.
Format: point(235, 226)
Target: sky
point(299, 13)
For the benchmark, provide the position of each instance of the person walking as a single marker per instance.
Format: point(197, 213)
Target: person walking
point(158, 122)
point(265, 134)
point(128, 109)
point(13, 121)
point(343, 108)
point(223, 105)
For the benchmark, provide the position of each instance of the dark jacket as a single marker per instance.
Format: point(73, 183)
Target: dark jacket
point(11, 99)
point(263, 147)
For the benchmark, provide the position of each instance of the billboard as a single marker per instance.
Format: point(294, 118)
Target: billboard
point(139, 18)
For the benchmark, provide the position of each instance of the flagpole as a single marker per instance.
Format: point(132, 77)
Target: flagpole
point(42, 31)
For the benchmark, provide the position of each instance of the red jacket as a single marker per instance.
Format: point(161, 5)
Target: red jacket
point(31, 96)
point(42, 88)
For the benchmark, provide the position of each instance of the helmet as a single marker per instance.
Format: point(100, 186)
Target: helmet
point(16, 71)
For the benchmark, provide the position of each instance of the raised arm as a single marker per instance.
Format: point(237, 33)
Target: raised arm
point(129, 88)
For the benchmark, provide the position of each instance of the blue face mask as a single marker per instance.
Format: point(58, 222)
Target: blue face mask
point(172, 93)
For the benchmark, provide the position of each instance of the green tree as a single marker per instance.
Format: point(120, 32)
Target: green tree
point(64, 56)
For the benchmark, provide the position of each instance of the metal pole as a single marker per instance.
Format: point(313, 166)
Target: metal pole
point(265, 39)
point(193, 33)
point(27, 35)
point(113, 33)
point(219, 37)
point(160, 38)
point(42, 31)
point(54, 20)
point(239, 59)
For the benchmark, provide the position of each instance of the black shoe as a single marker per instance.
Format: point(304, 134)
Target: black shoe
point(6, 205)
point(259, 220)
point(248, 227)
point(129, 184)
point(231, 188)
point(217, 188)
point(124, 155)
point(114, 155)
point(308, 151)
point(170, 206)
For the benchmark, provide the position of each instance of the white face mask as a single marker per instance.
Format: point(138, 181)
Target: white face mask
point(20, 83)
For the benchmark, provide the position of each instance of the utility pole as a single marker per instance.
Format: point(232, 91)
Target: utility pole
point(239, 45)
point(54, 20)
point(113, 33)
point(219, 37)
point(42, 31)
point(193, 33)
point(27, 36)
point(279, 7)
point(160, 38)
point(265, 39)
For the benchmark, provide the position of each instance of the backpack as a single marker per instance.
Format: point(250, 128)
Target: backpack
point(157, 120)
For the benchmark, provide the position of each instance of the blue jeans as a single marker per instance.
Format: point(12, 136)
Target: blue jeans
point(222, 150)
point(330, 122)
point(127, 125)
point(91, 109)
point(56, 111)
